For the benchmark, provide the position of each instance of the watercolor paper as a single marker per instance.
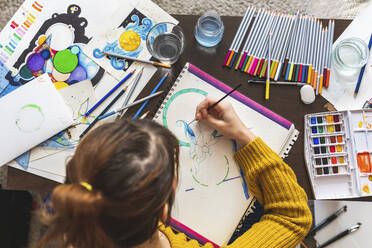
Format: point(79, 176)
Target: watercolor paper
point(30, 115)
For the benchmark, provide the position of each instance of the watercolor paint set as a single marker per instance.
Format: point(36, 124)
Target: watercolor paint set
point(338, 147)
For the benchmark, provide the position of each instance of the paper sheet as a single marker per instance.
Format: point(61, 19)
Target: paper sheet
point(134, 19)
point(30, 115)
point(341, 98)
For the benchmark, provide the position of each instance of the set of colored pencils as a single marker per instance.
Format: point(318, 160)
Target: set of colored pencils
point(309, 55)
point(300, 50)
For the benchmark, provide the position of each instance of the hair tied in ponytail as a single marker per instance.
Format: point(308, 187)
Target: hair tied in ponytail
point(87, 186)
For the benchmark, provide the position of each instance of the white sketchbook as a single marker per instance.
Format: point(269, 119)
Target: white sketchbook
point(31, 114)
point(210, 198)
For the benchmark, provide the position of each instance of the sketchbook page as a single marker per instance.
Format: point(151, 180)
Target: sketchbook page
point(343, 99)
point(31, 114)
point(209, 176)
point(131, 21)
point(357, 211)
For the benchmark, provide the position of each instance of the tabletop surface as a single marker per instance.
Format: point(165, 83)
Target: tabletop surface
point(284, 100)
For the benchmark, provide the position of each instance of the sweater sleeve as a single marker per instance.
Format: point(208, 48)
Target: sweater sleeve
point(275, 186)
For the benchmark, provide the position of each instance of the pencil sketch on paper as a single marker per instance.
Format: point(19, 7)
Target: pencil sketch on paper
point(205, 149)
point(128, 39)
point(200, 150)
point(29, 118)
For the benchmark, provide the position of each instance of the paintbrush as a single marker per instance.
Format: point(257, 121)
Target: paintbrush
point(138, 60)
point(214, 104)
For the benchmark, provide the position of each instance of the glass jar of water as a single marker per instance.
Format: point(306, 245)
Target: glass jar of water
point(350, 55)
point(209, 29)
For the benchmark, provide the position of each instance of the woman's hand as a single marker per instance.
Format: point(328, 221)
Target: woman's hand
point(224, 119)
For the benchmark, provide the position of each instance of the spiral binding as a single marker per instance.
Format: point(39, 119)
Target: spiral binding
point(171, 88)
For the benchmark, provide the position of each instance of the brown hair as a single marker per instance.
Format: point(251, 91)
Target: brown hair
point(131, 166)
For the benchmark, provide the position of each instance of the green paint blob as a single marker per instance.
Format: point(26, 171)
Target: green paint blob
point(25, 72)
point(65, 61)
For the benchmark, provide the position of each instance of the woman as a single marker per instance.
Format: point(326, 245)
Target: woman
point(121, 183)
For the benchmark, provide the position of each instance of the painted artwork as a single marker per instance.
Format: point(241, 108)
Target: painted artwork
point(126, 35)
point(129, 40)
point(56, 49)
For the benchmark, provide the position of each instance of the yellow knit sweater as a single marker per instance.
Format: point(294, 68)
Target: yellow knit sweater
point(275, 186)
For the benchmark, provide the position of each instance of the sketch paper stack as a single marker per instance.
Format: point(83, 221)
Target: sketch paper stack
point(31, 114)
point(209, 176)
point(49, 36)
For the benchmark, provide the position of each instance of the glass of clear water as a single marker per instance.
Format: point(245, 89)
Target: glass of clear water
point(349, 56)
point(209, 29)
point(166, 42)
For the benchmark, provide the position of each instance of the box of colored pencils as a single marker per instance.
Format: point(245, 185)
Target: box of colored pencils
point(338, 148)
point(301, 50)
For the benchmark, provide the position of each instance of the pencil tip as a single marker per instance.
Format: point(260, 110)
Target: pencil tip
point(134, 71)
point(166, 74)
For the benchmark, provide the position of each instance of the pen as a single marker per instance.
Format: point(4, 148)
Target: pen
point(340, 235)
point(327, 220)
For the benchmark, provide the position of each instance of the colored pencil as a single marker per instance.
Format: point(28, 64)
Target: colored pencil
point(267, 91)
point(144, 115)
point(138, 60)
point(276, 83)
point(131, 90)
point(243, 54)
point(241, 35)
point(110, 92)
point(152, 92)
point(129, 105)
point(362, 71)
point(236, 37)
point(94, 122)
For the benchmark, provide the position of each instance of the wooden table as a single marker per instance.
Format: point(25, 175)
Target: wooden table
point(284, 100)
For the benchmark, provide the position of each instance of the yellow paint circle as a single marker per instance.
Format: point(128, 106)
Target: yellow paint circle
point(366, 189)
point(60, 85)
point(130, 40)
point(41, 40)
